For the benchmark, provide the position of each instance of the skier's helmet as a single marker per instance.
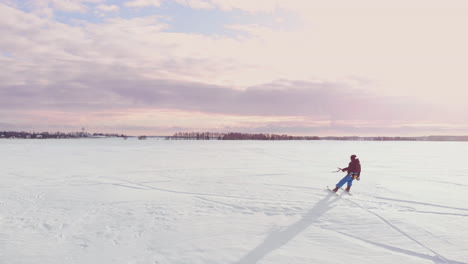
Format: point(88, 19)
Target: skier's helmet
point(353, 157)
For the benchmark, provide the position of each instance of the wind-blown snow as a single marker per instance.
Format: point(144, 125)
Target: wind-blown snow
point(156, 201)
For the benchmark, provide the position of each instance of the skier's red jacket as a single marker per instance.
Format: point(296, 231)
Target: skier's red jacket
point(354, 167)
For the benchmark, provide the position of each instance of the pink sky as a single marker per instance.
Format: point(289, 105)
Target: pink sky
point(297, 67)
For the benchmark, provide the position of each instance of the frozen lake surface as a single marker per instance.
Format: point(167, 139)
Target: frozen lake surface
point(191, 202)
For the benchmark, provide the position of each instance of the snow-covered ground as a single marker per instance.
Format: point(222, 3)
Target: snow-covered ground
point(156, 201)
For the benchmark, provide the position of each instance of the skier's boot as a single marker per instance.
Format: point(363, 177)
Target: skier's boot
point(348, 188)
point(335, 190)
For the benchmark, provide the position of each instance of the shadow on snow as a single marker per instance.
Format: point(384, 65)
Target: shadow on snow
point(280, 238)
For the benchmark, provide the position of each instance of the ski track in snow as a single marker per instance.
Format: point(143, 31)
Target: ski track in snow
point(437, 257)
point(421, 203)
point(147, 187)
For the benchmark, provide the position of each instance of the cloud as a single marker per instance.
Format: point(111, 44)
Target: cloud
point(313, 74)
point(108, 8)
point(317, 6)
point(143, 3)
point(11, 3)
point(133, 63)
point(68, 6)
point(80, 6)
point(196, 4)
point(113, 88)
point(361, 45)
point(227, 5)
point(166, 122)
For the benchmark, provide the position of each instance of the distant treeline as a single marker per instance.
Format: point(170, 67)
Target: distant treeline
point(196, 135)
point(249, 136)
point(222, 136)
point(235, 136)
point(45, 135)
point(242, 136)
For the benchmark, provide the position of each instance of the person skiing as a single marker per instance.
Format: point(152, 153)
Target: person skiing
point(354, 171)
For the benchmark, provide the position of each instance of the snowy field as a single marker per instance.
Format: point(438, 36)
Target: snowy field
point(108, 201)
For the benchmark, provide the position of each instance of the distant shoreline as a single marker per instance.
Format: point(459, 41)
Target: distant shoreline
point(221, 136)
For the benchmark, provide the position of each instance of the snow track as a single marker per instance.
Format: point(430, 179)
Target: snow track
point(437, 258)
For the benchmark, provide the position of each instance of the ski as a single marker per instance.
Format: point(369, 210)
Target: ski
point(343, 191)
point(331, 190)
point(346, 192)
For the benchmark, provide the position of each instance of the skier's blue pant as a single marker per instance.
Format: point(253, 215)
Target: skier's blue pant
point(347, 179)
